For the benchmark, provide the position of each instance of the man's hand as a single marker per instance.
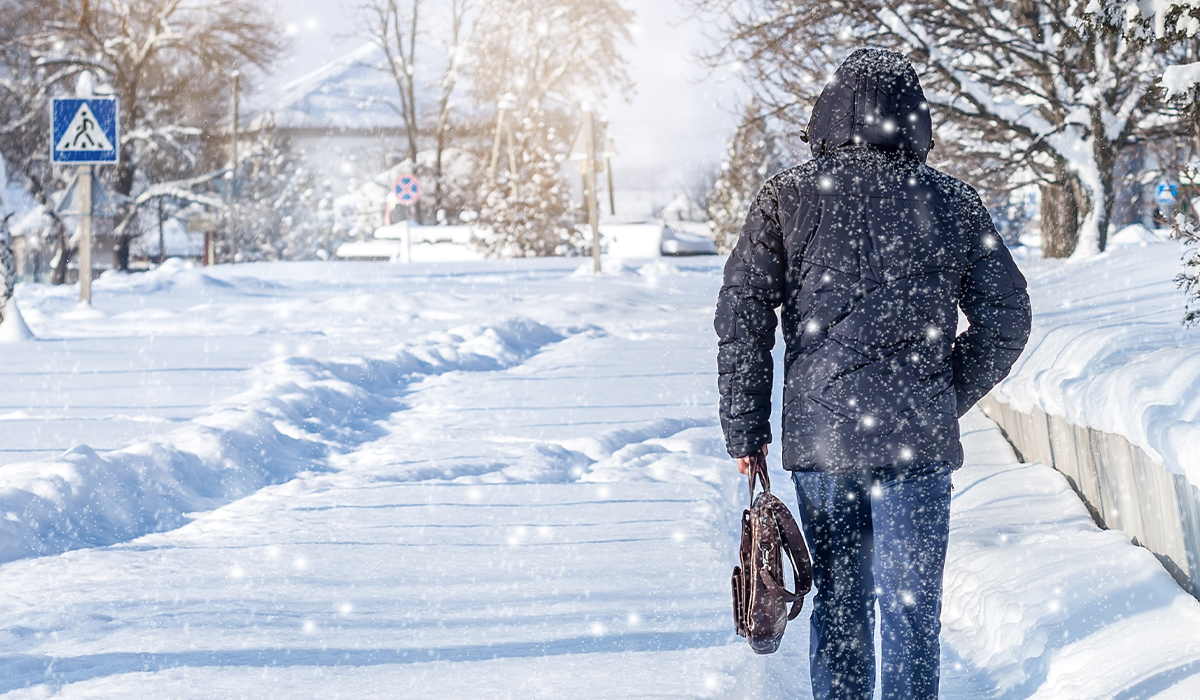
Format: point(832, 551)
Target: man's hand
point(744, 462)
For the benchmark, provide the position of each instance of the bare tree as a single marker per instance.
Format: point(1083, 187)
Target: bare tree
point(1027, 92)
point(25, 90)
point(166, 60)
point(393, 26)
point(456, 51)
point(542, 57)
point(539, 49)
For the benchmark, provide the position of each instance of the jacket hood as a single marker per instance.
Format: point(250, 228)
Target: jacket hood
point(876, 98)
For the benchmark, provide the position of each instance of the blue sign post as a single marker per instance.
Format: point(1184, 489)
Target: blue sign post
point(84, 131)
point(407, 189)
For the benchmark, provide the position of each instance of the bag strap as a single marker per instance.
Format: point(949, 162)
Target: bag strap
point(744, 543)
point(791, 539)
point(758, 470)
point(797, 551)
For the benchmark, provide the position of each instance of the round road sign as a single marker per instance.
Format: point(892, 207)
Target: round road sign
point(407, 188)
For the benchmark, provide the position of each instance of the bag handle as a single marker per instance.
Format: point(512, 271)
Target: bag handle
point(758, 471)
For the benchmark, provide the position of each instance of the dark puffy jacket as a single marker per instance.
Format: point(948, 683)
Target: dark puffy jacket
point(871, 253)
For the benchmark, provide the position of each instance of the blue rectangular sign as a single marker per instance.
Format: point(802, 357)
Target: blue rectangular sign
point(84, 130)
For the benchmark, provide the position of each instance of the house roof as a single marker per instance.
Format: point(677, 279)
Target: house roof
point(351, 93)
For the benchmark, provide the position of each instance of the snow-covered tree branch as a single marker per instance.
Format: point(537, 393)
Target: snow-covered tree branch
point(1035, 89)
point(752, 156)
point(393, 26)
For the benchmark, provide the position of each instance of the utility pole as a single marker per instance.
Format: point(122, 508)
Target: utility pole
point(210, 237)
point(587, 144)
point(608, 153)
point(504, 128)
point(230, 213)
point(592, 148)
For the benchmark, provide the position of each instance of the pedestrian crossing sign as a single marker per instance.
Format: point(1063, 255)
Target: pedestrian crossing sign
point(84, 131)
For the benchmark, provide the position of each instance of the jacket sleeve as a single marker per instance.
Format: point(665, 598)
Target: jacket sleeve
point(745, 323)
point(994, 300)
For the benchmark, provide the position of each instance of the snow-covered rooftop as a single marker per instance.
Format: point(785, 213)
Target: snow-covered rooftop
point(351, 93)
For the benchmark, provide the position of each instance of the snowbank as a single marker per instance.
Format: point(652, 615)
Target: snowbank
point(651, 240)
point(1135, 235)
point(429, 244)
point(1108, 351)
point(297, 413)
point(13, 328)
point(1040, 603)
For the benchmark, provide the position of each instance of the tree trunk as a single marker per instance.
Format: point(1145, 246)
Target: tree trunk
point(437, 172)
point(64, 253)
point(1105, 156)
point(1060, 214)
point(125, 178)
point(121, 253)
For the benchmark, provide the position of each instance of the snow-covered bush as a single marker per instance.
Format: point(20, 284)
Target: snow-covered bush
point(529, 211)
point(280, 212)
point(540, 58)
point(696, 191)
point(458, 189)
point(753, 156)
point(1187, 230)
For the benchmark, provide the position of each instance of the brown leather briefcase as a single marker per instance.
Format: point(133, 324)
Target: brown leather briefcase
point(760, 600)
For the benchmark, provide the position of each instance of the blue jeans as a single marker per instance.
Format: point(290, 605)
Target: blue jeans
point(876, 535)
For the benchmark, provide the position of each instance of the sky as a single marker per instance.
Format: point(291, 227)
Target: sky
point(676, 124)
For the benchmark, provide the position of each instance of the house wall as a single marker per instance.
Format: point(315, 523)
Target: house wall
point(342, 156)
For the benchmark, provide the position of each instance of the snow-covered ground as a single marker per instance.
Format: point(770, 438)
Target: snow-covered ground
point(480, 479)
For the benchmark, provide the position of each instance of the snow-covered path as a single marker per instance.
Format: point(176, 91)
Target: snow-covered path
point(529, 513)
point(550, 525)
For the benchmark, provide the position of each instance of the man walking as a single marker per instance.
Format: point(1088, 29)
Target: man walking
point(870, 253)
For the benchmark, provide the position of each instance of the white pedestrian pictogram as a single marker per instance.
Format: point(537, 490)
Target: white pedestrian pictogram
point(84, 133)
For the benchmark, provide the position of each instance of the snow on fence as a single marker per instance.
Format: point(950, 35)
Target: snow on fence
point(1122, 487)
